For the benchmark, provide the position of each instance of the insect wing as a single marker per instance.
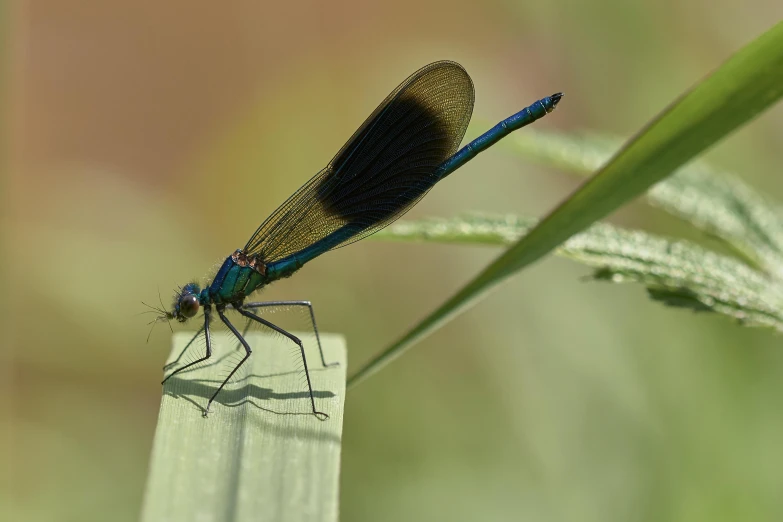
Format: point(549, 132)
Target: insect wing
point(381, 172)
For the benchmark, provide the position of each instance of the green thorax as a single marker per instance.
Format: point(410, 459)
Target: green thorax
point(238, 277)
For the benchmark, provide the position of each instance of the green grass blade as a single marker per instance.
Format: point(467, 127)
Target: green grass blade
point(676, 273)
point(245, 462)
point(718, 203)
point(748, 83)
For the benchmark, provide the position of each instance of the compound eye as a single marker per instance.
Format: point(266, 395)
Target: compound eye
point(188, 306)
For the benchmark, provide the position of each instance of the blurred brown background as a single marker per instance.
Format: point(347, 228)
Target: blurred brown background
point(149, 139)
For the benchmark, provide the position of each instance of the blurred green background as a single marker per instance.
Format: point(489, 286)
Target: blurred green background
point(147, 141)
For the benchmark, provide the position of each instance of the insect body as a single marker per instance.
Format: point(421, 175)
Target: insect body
point(407, 145)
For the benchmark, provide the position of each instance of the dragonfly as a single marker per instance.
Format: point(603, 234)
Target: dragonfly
point(406, 146)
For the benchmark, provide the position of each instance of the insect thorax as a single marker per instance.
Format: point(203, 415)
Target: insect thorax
point(239, 276)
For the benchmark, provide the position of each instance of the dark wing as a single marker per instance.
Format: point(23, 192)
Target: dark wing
point(382, 171)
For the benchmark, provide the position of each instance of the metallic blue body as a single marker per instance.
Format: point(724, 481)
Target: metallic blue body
point(524, 117)
point(232, 282)
point(406, 146)
point(288, 265)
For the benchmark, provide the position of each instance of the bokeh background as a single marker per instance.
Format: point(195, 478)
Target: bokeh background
point(148, 139)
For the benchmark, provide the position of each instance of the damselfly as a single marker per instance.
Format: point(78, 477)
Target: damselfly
point(407, 145)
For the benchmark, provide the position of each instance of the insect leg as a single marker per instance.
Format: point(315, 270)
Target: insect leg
point(185, 349)
point(312, 320)
point(248, 351)
point(320, 415)
point(207, 311)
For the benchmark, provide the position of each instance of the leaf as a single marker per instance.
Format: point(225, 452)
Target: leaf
point(748, 83)
point(677, 273)
point(715, 202)
point(260, 451)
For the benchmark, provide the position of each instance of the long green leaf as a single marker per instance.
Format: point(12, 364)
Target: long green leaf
point(715, 202)
point(261, 454)
point(748, 83)
point(675, 272)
